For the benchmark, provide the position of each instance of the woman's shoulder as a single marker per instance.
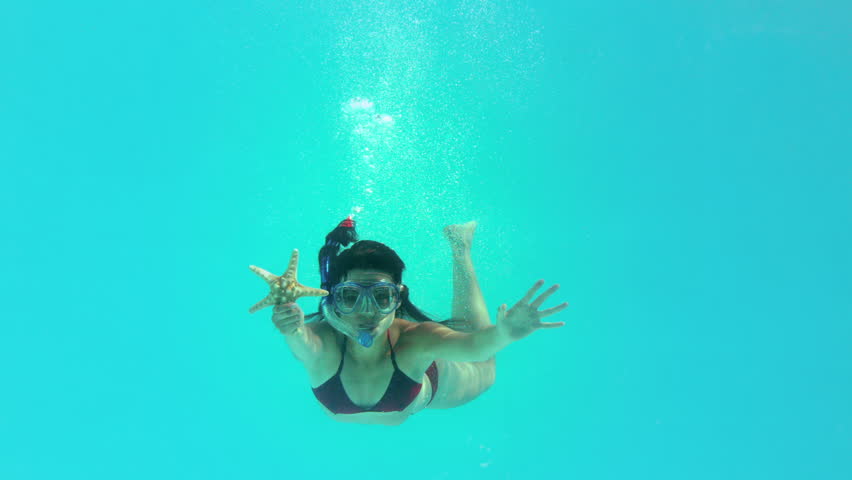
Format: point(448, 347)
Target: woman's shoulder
point(414, 334)
point(325, 331)
point(322, 326)
point(409, 329)
point(412, 357)
point(403, 325)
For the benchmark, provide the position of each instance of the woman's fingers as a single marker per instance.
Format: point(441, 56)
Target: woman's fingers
point(551, 325)
point(531, 292)
point(286, 310)
point(287, 317)
point(551, 311)
point(286, 314)
point(540, 300)
point(283, 317)
point(287, 323)
point(501, 313)
point(283, 307)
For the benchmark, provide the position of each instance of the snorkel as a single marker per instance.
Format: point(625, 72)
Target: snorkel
point(343, 235)
point(363, 337)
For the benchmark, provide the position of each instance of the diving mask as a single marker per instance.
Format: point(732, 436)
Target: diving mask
point(353, 297)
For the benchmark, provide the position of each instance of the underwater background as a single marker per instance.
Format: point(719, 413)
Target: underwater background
point(681, 169)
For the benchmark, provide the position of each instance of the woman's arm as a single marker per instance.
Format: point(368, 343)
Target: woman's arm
point(435, 341)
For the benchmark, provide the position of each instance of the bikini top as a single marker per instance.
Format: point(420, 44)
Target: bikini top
point(401, 391)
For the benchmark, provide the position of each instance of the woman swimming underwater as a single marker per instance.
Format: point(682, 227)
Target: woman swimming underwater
point(373, 357)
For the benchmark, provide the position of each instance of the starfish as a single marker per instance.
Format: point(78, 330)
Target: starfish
point(284, 289)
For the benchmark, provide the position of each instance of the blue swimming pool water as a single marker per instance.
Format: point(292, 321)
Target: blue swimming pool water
point(680, 169)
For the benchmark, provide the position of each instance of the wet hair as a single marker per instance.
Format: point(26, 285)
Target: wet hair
point(364, 254)
point(368, 255)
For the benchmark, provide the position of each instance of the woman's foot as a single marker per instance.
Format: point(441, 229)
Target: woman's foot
point(460, 236)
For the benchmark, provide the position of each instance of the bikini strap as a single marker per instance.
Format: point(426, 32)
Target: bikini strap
point(342, 356)
point(393, 355)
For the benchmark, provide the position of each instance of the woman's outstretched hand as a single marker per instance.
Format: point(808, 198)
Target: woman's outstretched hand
point(524, 317)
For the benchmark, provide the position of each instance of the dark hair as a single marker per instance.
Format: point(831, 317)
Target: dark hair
point(364, 254)
point(367, 254)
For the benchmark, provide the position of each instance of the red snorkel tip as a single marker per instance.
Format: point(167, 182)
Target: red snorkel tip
point(348, 223)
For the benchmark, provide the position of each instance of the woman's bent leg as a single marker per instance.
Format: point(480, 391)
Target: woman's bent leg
point(461, 382)
point(468, 302)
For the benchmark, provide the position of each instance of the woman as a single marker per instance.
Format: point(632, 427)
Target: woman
point(368, 362)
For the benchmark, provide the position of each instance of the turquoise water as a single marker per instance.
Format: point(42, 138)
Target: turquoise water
point(681, 169)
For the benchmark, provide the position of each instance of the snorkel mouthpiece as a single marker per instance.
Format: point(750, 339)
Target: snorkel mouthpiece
point(365, 339)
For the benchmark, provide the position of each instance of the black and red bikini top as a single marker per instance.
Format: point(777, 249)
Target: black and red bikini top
point(401, 391)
